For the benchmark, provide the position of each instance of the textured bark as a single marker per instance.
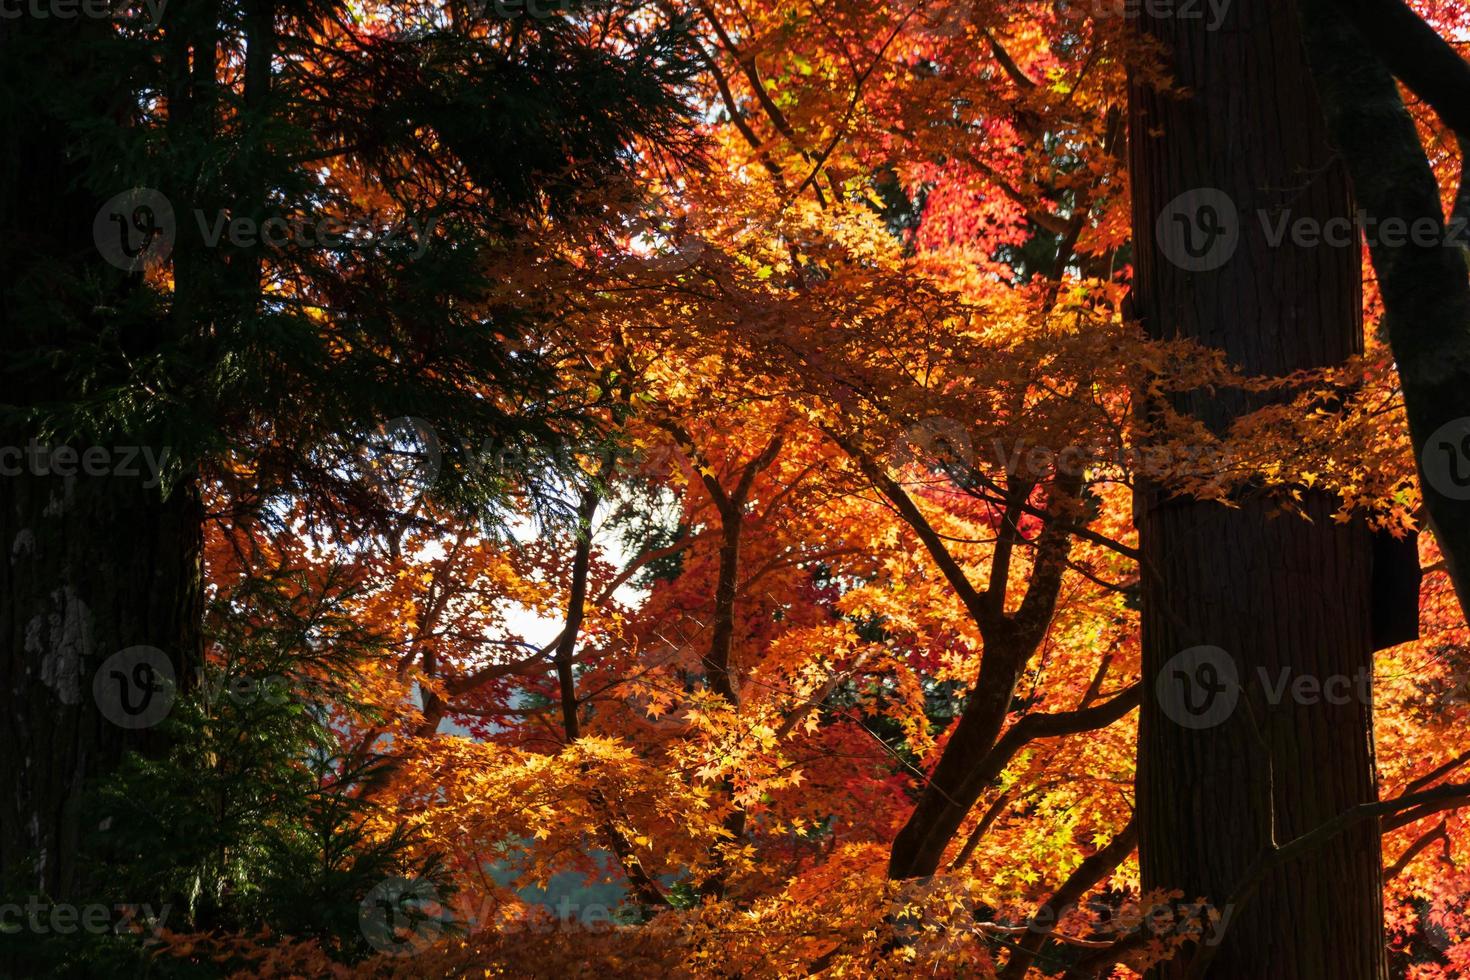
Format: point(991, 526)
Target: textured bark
point(1426, 292)
point(1275, 593)
point(89, 564)
point(93, 565)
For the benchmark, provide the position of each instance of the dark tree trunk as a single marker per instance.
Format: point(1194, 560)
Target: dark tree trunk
point(95, 565)
point(1278, 596)
point(1355, 50)
point(101, 560)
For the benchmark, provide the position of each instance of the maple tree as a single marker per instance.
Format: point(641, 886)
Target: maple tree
point(738, 500)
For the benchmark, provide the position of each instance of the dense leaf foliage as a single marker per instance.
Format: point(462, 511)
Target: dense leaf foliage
point(772, 414)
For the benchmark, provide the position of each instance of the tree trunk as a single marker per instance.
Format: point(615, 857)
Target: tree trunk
point(1355, 51)
point(95, 559)
point(95, 566)
point(1273, 598)
point(960, 776)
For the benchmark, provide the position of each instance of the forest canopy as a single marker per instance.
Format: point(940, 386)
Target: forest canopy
point(735, 489)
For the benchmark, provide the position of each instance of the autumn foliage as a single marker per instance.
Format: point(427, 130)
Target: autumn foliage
point(835, 491)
